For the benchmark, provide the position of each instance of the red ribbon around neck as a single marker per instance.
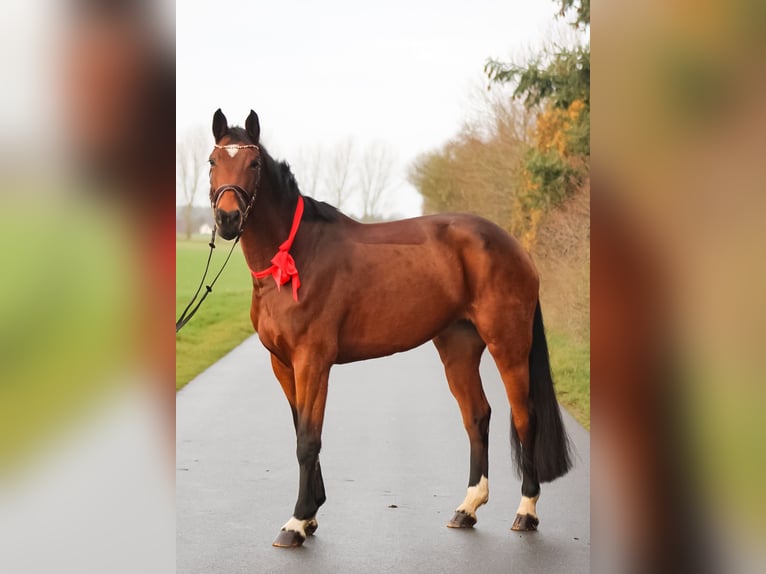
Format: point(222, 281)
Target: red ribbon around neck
point(282, 264)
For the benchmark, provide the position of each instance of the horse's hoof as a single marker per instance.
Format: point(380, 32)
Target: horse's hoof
point(289, 539)
point(525, 522)
point(461, 520)
point(311, 527)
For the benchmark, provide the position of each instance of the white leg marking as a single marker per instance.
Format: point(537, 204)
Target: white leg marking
point(231, 150)
point(296, 525)
point(528, 506)
point(475, 497)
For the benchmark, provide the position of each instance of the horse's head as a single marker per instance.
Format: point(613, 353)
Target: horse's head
point(235, 171)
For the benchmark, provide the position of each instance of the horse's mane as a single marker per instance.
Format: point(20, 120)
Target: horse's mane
point(284, 179)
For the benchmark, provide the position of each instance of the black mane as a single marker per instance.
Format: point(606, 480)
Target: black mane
point(284, 180)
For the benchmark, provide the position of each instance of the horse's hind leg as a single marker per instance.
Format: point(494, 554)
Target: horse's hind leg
point(514, 369)
point(460, 349)
point(538, 437)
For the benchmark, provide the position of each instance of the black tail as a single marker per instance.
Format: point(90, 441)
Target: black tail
point(549, 444)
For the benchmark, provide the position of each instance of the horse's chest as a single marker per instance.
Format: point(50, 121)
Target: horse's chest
point(268, 332)
point(278, 330)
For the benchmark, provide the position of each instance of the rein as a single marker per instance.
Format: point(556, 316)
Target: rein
point(242, 196)
point(184, 318)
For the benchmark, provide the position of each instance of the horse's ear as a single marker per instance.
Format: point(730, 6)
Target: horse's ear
point(253, 127)
point(220, 125)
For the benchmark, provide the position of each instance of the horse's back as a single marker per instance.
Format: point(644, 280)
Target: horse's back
point(458, 245)
point(455, 229)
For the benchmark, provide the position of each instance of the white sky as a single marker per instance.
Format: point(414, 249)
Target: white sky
point(400, 72)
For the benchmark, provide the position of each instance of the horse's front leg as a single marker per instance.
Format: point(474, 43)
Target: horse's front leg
point(308, 404)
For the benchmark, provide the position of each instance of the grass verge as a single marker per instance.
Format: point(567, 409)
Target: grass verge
point(570, 363)
point(223, 320)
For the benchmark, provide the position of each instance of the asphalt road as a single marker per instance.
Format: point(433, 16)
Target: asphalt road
point(395, 464)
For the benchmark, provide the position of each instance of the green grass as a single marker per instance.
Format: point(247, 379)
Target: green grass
point(223, 320)
point(570, 363)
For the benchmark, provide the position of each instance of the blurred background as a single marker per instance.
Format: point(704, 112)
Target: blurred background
point(86, 344)
point(678, 278)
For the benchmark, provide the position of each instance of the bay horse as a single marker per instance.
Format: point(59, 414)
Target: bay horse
point(360, 291)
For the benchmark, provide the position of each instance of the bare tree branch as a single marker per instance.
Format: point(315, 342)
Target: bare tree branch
point(191, 160)
point(308, 170)
point(375, 178)
point(338, 181)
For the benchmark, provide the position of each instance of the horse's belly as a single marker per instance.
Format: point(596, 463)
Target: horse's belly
point(390, 322)
point(372, 348)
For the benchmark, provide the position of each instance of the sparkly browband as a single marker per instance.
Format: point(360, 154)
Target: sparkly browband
point(233, 146)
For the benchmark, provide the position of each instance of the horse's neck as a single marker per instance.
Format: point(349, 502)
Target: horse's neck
point(266, 228)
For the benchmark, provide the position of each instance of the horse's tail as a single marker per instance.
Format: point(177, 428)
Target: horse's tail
point(548, 440)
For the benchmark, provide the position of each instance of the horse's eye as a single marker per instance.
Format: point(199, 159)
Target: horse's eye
point(254, 164)
point(211, 162)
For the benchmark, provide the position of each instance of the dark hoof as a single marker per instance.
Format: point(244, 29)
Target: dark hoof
point(288, 539)
point(311, 527)
point(461, 520)
point(525, 522)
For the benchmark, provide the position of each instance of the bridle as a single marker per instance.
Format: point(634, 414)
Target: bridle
point(243, 196)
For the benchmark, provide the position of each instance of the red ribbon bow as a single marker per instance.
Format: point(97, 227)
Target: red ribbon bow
point(283, 265)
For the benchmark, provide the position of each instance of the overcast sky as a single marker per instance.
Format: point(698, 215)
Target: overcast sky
point(399, 72)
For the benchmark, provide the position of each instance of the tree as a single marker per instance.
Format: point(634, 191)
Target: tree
point(338, 180)
point(556, 83)
point(375, 178)
point(561, 76)
point(583, 11)
point(191, 158)
point(478, 170)
point(309, 171)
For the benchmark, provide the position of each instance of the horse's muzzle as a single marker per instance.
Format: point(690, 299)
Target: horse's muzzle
point(228, 222)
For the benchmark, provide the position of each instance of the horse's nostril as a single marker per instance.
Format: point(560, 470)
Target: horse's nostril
point(228, 217)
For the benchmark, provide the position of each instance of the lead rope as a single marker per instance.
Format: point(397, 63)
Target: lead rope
point(184, 318)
